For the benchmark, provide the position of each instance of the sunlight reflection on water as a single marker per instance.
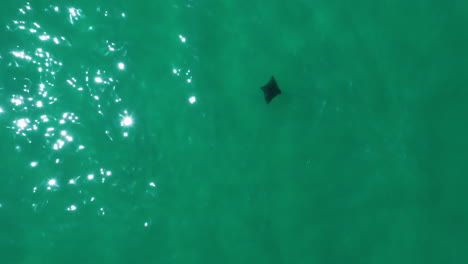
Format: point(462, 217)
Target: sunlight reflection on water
point(43, 80)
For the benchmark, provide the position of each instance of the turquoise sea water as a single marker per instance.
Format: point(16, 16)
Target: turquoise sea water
point(136, 132)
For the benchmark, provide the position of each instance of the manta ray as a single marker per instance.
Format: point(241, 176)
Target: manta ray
point(271, 90)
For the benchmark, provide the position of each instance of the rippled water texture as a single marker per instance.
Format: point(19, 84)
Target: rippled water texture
point(71, 144)
point(137, 132)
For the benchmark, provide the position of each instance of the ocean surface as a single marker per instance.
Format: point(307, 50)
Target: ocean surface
point(137, 132)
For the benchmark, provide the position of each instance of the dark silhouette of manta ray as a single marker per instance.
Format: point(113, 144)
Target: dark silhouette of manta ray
point(271, 90)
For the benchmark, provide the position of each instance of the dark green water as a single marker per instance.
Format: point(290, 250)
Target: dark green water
point(362, 159)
